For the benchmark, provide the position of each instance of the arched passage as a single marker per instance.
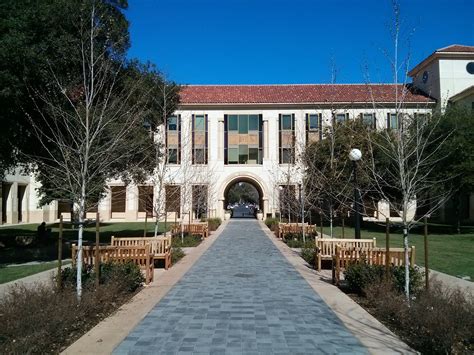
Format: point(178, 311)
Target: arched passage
point(252, 180)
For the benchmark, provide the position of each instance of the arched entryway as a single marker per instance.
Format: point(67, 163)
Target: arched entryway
point(254, 182)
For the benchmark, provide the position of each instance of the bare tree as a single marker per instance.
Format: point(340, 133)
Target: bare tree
point(90, 127)
point(402, 160)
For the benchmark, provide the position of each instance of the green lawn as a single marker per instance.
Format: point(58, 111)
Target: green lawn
point(8, 274)
point(452, 254)
point(46, 250)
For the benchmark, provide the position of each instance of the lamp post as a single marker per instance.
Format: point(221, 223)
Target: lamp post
point(355, 155)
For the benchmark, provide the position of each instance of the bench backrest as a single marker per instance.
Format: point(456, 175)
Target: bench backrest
point(327, 246)
point(190, 228)
point(159, 245)
point(137, 254)
point(375, 256)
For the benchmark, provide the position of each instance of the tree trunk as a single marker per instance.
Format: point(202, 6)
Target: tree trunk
point(79, 244)
point(407, 261)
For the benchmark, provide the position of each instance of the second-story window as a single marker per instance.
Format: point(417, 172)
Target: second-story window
point(200, 143)
point(173, 139)
point(393, 121)
point(313, 127)
point(286, 123)
point(243, 140)
point(341, 117)
point(368, 119)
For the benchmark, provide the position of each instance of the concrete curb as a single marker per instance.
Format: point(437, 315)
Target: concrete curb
point(105, 336)
point(371, 333)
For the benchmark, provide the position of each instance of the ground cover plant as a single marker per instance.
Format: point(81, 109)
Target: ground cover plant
point(45, 319)
point(435, 321)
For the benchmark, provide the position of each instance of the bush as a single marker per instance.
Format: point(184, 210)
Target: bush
point(176, 254)
point(272, 223)
point(308, 253)
point(214, 223)
point(42, 319)
point(127, 276)
point(359, 275)
point(438, 321)
point(187, 241)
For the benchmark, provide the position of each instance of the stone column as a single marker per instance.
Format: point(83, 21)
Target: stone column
point(131, 203)
point(220, 139)
point(265, 138)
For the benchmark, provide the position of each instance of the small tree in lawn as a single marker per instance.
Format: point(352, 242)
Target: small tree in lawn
point(91, 125)
point(402, 160)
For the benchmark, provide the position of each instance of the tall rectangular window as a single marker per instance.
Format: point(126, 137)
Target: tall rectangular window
point(243, 139)
point(118, 200)
point(393, 121)
point(368, 119)
point(173, 199)
point(286, 138)
point(173, 140)
point(200, 196)
point(145, 199)
point(200, 139)
point(314, 130)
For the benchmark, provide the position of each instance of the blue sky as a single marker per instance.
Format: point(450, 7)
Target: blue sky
point(293, 41)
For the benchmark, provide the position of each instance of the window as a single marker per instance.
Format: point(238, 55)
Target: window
point(393, 121)
point(145, 199)
point(118, 198)
point(173, 139)
point(313, 127)
point(200, 143)
point(287, 138)
point(243, 139)
point(368, 119)
point(173, 199)
point(341, 117)
point(200, 196)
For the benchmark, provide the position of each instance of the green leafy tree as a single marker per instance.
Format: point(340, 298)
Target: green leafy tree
point(456, 167)
point(329, 187)
point(36, 36)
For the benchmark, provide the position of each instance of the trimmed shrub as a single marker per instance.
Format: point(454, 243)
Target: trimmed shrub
point(272, 223)
point(308, 253)
point(188, 240)
point(128, 275)
point(359, 275)
point(176, 254)
point(214, 223)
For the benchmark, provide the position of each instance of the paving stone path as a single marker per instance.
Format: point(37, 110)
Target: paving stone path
point(241, 296)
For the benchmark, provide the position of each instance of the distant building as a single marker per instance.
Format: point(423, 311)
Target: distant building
point(225, 134)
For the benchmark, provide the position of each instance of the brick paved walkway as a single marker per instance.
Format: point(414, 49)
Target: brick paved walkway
point(242, 296)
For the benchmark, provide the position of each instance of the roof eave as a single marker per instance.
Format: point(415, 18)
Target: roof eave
point(436, 55)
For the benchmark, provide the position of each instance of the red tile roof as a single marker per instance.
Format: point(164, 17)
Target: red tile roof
point(456, 48)
point(298, 94)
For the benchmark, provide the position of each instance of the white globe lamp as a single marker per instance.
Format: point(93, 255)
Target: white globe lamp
point(355, 154)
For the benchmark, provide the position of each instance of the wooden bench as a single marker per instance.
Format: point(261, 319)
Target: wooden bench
point(372, 256)
point(326, 247)
point(201, 229)
point(139, 255)
point(294, 228)
point(160, 246)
